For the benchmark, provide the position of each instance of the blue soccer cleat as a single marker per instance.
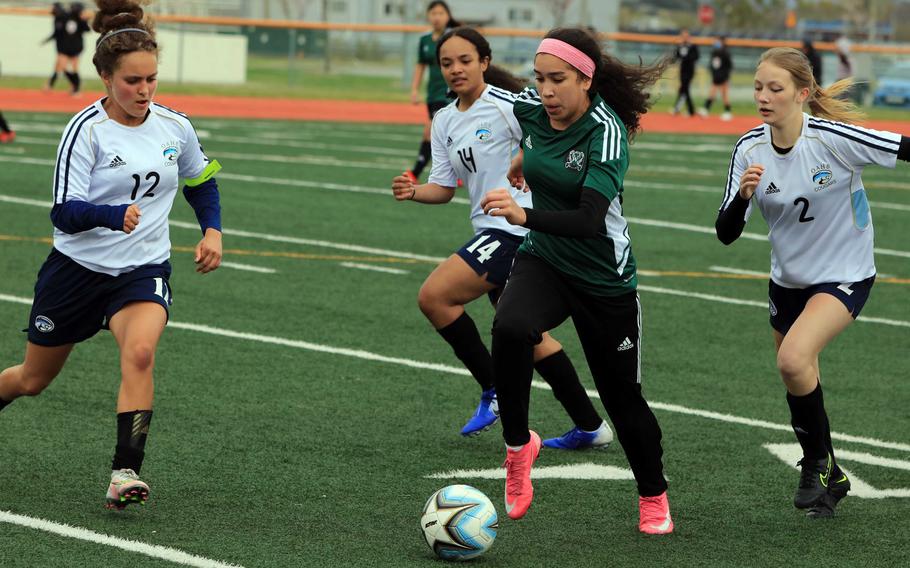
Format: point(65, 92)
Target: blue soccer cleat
point(577, 439)
point(486, 415)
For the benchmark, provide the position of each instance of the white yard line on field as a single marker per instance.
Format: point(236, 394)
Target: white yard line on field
point(368, 356)
point(384, 269)
point(151, 550)
point(249, 268)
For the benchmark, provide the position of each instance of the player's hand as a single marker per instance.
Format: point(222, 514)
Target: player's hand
point(516, 176)
point(131, 218)
point(750, 179)
point(415, 97)
point(403, 188)
point(499, 203)
point(208, 252)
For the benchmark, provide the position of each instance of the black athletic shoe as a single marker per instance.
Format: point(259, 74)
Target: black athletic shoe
point(813, 482)
point(838, 486)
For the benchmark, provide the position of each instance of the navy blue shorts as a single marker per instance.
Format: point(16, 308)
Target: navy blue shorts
point(786, 304)
point(73, 303)
point(492, 253)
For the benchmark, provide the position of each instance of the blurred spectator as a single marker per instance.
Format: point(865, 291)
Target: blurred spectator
point(67, 35)
point(844, 61)
point(815, 59)
point(720, 65)
point(687, 55)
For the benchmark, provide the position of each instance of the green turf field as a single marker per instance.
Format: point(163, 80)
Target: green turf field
point(299, 415)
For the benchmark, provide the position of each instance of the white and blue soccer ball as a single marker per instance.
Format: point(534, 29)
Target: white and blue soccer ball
point(459, 522)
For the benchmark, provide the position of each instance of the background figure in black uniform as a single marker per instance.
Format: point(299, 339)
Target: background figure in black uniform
point(6, 135)
point(720, 65)
point(815, 60)
point(68, 29)
point(687, 55)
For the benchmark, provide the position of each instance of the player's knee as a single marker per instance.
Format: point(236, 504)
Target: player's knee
point(138, 356)
point(33, 383)
point(792, 362)
point(514, 328)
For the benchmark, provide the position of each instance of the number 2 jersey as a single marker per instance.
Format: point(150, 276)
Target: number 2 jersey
point(477, 146)
point(103, 162)
point(814, 200)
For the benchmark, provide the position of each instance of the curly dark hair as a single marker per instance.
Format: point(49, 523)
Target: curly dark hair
point(113, 15)
point(621, 86)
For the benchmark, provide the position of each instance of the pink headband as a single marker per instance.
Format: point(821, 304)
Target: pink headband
point(571, 55)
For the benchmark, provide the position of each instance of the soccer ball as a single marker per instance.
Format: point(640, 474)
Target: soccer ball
point(459, 522)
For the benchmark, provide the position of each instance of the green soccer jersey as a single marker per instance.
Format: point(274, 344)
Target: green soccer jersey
point(592, 153)
point(436, 85)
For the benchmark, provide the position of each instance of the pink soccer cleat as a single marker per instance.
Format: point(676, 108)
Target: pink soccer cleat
point(519, 490)
point(654, 515)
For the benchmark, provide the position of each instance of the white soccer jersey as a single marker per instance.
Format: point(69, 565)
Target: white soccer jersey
point(813, 199)
point(477, 146)
point(103, 162)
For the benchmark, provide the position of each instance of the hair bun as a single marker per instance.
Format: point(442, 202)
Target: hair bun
point(118, 14)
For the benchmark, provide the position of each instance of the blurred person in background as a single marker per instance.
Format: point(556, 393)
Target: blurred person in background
point(6, 135)
point(440, 18)
point(69, 27)
point(815, 59)
point(721, 66)
point(687, 55)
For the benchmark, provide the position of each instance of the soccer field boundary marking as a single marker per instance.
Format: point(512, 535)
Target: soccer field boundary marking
point(369, 356)
point(249, 268)
point(360, 266)
point(152, 550)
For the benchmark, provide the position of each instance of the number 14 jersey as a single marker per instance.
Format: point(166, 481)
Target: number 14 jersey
point(814, 200)
point(103, 162)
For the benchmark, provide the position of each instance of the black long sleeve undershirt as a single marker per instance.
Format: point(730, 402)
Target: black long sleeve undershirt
point(732, 220)
point(582, 223)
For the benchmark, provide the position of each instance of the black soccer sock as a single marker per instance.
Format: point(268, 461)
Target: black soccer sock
point(77, 82)
point(4, 127)
point(71, 77)
point(727, 108)
point(52, 80)
point(132, 431)
point(810, 423)
point(4, 403)
point(423, 158)
point(557, 370)
point(465, 340)
point(708, 104)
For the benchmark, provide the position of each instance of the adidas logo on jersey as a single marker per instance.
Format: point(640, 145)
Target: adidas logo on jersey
point(117, 162)
point(625, 345)
point(772, 189)
point(449, 142)
point(528, 144)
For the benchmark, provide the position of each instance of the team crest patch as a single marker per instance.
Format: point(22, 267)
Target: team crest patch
point(575, 160)
point(44, 324)
point(170, 153)
point(822, 176)
point(772, 308)
point(484, 132)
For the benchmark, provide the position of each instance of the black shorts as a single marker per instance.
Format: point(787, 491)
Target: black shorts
point(786, 304)
point(436, 106)
point(539, 298)
point(492, 253)
point(73, 303)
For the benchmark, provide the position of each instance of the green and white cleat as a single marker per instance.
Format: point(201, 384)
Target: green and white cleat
point(126, 488)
